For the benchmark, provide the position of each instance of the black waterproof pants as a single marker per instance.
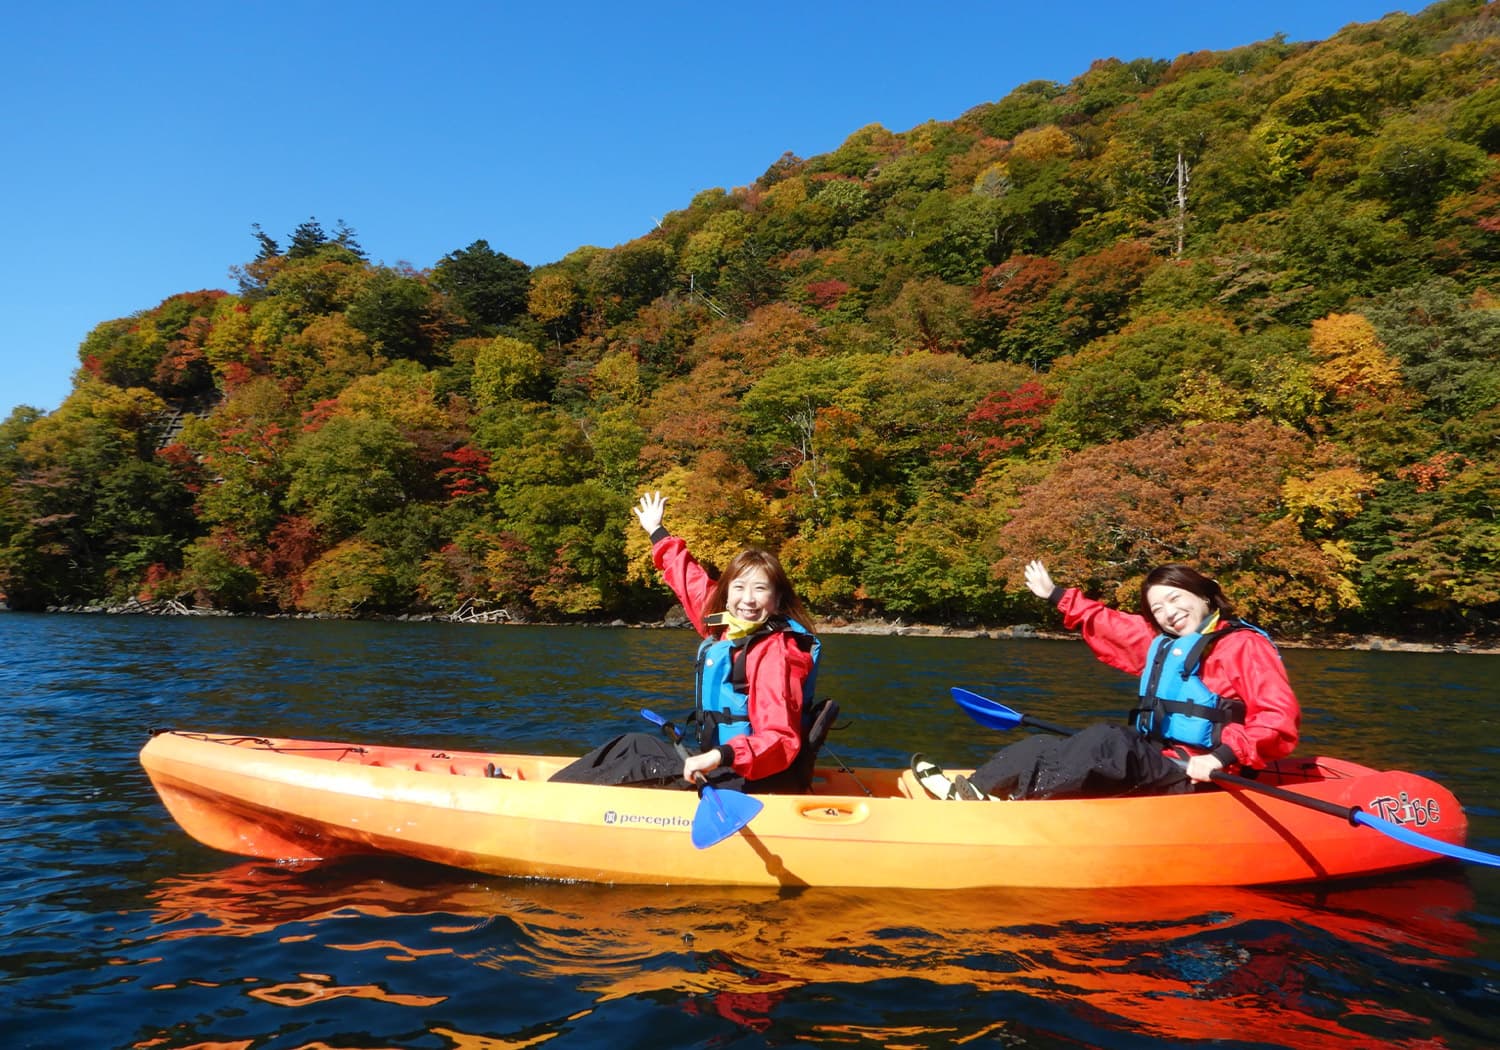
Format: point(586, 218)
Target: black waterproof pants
point(645, 759)
point(1097, 762)
point(648, 760)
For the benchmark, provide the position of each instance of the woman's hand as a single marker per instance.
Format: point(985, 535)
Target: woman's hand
point(1202, 767)
point(694, 768)
point(1038, 580)
point(650, 510)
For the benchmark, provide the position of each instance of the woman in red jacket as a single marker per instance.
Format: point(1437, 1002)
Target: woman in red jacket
point(755, 677)
point(1213, 695)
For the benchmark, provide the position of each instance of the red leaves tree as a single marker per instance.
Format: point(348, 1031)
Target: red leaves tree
point(1018, 284)
point(1004, 420)
point(466, 478)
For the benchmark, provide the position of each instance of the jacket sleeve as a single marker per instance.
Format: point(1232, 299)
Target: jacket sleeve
point(684, 575)
point(1120, 639)
point(778, 667)
point(1245, 666)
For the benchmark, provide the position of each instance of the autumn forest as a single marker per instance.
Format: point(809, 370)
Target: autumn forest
point(1237, 309)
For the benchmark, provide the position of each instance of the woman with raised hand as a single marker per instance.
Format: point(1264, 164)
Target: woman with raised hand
point(755, 677)
point(1213, 695)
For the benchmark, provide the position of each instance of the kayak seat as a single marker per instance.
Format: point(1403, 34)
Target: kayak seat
point(819, 721)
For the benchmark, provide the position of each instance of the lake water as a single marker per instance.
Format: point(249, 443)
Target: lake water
point(117, 930)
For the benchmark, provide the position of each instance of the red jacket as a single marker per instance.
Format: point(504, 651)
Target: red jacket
point(1241, 666)
point(775, 669)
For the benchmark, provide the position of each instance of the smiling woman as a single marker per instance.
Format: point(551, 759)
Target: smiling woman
point(1213, 695)
point(756, 670)
point(1178, 608)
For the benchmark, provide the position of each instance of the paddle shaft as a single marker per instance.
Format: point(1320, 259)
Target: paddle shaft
point(707, 793)
point(1046, 727)
point(1333, 809)
point(676, 735)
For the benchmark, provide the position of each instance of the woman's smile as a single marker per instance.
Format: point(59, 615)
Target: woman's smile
point(1178, 612)
point(750, 596)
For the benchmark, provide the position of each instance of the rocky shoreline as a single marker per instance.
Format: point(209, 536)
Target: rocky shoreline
point(899, 628)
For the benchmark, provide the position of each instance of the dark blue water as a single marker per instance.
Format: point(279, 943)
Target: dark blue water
point(116, 930)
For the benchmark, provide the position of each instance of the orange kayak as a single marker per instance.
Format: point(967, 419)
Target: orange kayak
point(282, 799)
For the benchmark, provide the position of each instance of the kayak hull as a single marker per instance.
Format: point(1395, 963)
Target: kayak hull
point(281, 799)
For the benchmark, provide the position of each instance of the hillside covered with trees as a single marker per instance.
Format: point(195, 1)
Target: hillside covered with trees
point(1236, 309)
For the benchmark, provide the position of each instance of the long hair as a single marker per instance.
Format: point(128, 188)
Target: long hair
point(787, 602)
point(1184, 578)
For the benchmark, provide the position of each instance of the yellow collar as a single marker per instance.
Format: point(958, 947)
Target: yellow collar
point(734, 627)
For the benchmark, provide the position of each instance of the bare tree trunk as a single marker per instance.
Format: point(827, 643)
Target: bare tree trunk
point(1182, 199)
point(806, 422)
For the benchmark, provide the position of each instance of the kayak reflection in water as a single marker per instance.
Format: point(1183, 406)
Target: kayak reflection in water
point(1213, 696)
point(756, 670)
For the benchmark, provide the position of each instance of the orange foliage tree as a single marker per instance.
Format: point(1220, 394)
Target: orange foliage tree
point(1208, 495)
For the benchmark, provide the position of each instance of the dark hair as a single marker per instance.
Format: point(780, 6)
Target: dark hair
point(787, 602)
point(1184, 578)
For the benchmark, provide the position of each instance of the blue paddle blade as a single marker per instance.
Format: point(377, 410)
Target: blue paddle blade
point(1427, 842)
point(722, 813)
point(986, 711)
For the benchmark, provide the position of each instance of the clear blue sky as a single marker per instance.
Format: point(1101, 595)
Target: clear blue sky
point(141, 141)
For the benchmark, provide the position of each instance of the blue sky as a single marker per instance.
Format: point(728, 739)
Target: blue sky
point(141, 141)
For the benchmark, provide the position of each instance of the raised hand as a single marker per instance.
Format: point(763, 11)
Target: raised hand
point(650, 510)
point(1038, 580)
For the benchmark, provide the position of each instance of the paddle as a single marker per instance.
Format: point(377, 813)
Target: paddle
point(996, 715)
point(721, 812)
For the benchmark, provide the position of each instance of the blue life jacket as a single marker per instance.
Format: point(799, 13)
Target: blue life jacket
point(1175, 706)
point(723, 692)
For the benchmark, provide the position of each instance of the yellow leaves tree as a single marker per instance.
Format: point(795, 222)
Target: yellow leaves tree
point(1329, 498)
point(351, 577)
point(92, 407)
point(506, 369)
point(552, 300)
point(1203, 397)
point(617, 380)
point(231, 337)
point(325, 356)
point(716, 509)
point(1044, 143)
point(1352, 364)
point(404, 395)
point(785, 197)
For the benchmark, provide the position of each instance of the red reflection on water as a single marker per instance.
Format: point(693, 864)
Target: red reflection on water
point(1185, 965)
